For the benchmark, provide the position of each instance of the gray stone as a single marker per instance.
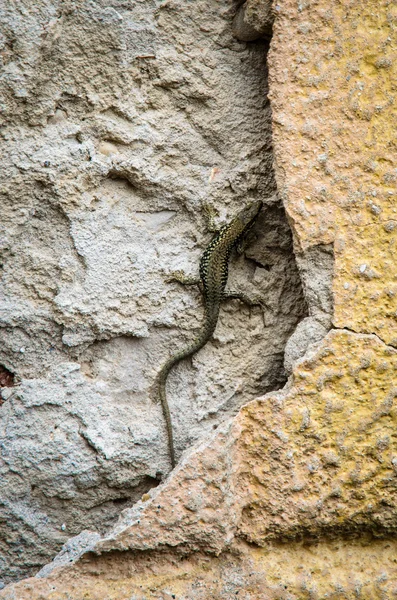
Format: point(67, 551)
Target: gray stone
point(119, 122)
point(307, 333)
point(316, 267)
point(253, 20)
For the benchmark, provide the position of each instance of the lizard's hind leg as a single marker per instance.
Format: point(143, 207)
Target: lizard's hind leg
point(183, 279)
point(248, 300)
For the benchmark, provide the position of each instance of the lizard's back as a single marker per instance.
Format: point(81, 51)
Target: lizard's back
point(213, 274)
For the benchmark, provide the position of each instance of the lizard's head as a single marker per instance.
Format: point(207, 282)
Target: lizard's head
point(248, 215)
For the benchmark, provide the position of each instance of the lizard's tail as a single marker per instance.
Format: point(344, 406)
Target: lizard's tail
point(166, 411)
point(162, 380)
point(199, 342)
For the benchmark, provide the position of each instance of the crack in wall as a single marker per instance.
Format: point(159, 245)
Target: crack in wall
point(365, 333)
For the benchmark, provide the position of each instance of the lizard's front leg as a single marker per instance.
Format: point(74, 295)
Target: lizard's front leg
point(210, 213)
point(246, 241)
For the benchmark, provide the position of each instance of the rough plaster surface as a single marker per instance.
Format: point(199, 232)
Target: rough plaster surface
point(317, 461)
point(120, 121)
point(294, 571)
point(253, 20)
point(333, 103)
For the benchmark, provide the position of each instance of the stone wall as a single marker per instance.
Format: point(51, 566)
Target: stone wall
point(295, 496)
point(121, 124)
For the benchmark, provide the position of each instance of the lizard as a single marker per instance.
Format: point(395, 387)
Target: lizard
point(214, 268)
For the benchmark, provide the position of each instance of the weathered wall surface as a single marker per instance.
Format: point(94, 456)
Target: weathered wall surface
point(334, 108)
point(120, 122)
point(336, 570)
point(314, 463)
point(296, 496)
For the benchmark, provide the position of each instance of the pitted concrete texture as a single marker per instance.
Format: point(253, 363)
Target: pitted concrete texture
point(317, 460)
point(332, 85)
point(295, 571)
point(253, 20)
point(295, 497)
point(120, 123)
point(318, 457)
